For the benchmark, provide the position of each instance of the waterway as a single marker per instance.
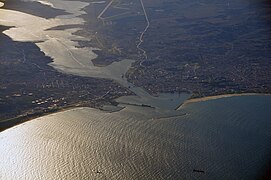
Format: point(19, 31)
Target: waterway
point(227, 138)
point(62, 46)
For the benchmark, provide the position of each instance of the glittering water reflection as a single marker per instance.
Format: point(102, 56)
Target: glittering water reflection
point(225, 138)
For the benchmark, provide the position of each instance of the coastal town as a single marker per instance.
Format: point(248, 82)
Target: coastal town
point(209, 52)
point(135, 89)
point(30, 87)
point(174, 51)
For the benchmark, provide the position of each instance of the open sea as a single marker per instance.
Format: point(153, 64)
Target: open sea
point(228, 138)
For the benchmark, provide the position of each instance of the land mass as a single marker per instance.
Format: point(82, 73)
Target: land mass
point(209, 48)
point(31, 88)
point(206, 49)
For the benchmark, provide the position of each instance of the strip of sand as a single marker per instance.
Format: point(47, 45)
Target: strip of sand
point(207, 98)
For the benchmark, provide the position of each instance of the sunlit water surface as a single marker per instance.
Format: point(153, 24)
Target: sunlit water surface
point(228, 138)
point(62, 46)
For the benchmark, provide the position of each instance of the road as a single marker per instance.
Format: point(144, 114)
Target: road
point(103, 11)
point(141, 37)
point(142, 34)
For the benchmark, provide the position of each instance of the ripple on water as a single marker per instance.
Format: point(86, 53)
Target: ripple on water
point(219, 137)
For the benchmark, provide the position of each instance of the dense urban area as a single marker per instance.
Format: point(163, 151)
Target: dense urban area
point(206, 48)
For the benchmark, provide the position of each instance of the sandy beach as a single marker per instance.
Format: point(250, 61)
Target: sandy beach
point(207, 98)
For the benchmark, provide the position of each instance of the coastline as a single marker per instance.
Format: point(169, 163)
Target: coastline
point(12, 122)
point(9, 123)
point(207, 98)
point(20, 119)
